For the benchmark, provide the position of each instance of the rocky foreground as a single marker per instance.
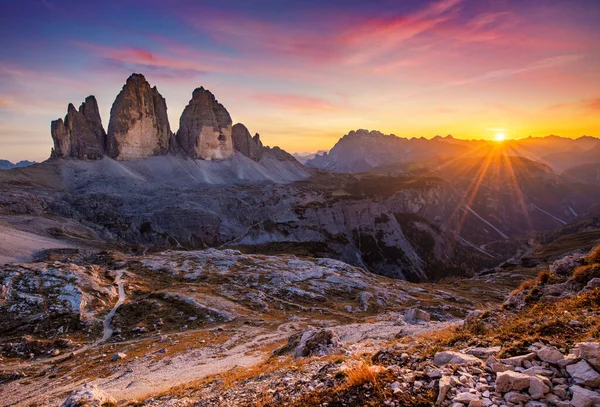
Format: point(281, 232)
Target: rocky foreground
point(222, 328)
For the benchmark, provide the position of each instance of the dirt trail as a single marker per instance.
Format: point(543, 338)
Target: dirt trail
point(108, 330)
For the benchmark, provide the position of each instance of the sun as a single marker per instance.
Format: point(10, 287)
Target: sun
point(500, 137)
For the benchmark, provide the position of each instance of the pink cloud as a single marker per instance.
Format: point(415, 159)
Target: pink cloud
point(5, 102)
point(297, 102)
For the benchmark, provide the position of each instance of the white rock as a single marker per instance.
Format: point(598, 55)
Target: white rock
point(90, 396)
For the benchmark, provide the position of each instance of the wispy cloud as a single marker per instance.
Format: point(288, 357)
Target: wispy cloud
point(297, 102)
point(535, 66)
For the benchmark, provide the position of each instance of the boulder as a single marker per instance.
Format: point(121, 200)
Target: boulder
point(517, 361)
point(118, 356)
point(243, 142)
point(89, 396)
point(584, 397)
point(515, 397)
point(80, 135)
point(507, 381)
point(139, 126)
point(590, 351)
point(444, 387)
point(549, 354)
point(584, 374)
point(316, 343)
point(455, 358)
point(415, 315)
point(483, 352)
point(537, 388)
point(465, 397)
point(205, 128)
point(310, 342)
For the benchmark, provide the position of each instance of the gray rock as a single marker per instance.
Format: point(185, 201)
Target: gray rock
point(507, 381)
point(415, 315)
point(590, 351)
point(584, 397)
point(243, 142)
point(465, 397)
point(537, 388)
point(484, 352)
point(517, 361)
point(118, 356)
point(311, 342)
point(139, 126)
point(549, 354)
point(444, 387)
point(205, 128)
point(584, 374)
point(89, 396)
point(455, 358)
point(516, 397)
point(80, 135)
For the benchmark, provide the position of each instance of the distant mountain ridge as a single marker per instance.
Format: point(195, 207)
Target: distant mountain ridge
point(304, 157)
point(7, 165)
point(363, 150)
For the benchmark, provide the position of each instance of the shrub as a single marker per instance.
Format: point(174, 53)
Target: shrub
point(544, 277)
point(583, 274)
point(594, 256)
point(525, 285)
point(360, 374)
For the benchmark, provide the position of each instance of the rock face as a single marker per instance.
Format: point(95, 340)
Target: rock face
point(89, 395)
point(250, 146)
point(80, 135)
point(205, 128)
point(139, 127)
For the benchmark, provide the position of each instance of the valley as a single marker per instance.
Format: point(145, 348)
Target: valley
point(146, 267)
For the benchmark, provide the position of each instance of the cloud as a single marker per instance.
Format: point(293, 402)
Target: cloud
point(535, 66)
point(6, 102)
point(584, 106)
point(297, 102)
point(593, 104)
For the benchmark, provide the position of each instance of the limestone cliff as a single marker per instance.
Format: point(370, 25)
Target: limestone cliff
point(243, 142)
point(205, 128)
point(139, 126)
point(80, 135)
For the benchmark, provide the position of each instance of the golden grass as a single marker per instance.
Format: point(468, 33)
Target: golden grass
point(544, 277)
point(594, 255)
point(361, 373)
point(525, 285)
point(583, 274)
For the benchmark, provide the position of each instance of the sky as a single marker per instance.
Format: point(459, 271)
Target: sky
point(303, 73)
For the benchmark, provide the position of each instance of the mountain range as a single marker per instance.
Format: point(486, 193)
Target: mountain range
point(7, 165)
point(363, 150)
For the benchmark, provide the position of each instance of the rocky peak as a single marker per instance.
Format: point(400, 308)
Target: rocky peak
point(81, 134)
point(205, 128)
point(139, 126)
point(243, 142)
